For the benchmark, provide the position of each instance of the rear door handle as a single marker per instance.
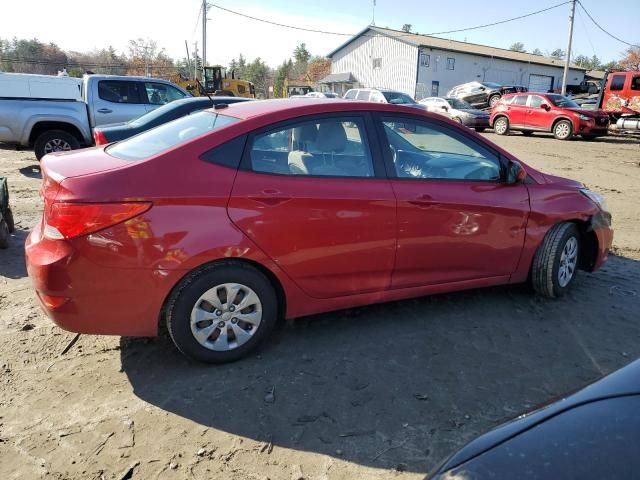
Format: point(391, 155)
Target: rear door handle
point(104, 110)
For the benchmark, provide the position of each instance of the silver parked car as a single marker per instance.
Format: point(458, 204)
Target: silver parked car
point(458, 110)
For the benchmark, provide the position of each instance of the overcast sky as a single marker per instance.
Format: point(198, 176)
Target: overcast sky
point(86, 24)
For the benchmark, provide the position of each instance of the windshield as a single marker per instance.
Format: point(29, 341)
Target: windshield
point(491, 84)
point(398, 98)
point(157, 113)
point(459, 104)
point(563, 102)
point(169, 135)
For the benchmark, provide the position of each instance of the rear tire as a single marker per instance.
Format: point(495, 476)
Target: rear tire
point(563, 130)
point(501, 126)
point(54, 141)
point(8, 217)
point(213, 339)
point(555, 264)
point(4, 235)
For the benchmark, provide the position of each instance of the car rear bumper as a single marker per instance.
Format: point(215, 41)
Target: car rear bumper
point(82, 296)
point(476, 122)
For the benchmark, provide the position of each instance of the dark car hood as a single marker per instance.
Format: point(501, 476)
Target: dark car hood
point(625, 381)
point(474, 111)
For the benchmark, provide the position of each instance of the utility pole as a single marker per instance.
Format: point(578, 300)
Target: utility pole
point(186, 46)
point(204, 36)
point(195, 60)
point(568, 54)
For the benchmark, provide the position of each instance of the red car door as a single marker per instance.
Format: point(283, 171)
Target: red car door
point(311, 196)
point(540, 117)
point(518, 111)
point(457, 218)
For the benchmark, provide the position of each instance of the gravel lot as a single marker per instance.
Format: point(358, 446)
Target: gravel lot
point(379, 392)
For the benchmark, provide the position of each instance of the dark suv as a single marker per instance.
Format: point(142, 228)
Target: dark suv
point(483, 94)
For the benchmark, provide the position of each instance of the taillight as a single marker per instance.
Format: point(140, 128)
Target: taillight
point(99, 137)
point(68, 220)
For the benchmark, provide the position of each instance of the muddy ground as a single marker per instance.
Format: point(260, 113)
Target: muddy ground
point(380, 392)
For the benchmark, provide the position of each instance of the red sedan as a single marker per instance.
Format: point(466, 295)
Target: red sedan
point(220, 222)
point(538, 112)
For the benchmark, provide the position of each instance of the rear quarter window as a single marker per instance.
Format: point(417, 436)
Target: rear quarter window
point(169, 135)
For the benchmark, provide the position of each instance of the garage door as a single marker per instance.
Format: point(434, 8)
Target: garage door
point(540, 83)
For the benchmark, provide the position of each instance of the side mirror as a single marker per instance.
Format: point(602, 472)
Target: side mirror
point(545, 106)
point(445, 108)
point(516, 173)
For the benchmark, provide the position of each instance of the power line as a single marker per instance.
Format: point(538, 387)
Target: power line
point(598, 25)
point(586, 32)
point(312, 30)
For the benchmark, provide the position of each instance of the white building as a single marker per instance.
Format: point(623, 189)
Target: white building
point(422, 66)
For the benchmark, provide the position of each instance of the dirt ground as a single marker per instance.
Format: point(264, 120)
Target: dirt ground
point(379, 392)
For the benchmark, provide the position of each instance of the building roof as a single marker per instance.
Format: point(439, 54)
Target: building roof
point(427, 41)
point(346, 77)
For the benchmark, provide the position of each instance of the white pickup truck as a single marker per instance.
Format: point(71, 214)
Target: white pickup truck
point(49, 115)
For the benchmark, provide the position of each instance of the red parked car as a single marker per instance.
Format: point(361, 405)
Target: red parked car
point(538, 112)
point(220, 222)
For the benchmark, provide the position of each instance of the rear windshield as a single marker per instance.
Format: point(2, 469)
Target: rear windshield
point(169, 135)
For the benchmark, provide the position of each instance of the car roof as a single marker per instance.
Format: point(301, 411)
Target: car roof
point(285, 108)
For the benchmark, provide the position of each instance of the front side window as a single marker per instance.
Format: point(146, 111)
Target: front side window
point(451, 63)
point(334, 147)
point(160, 93)
point(118, 91)
point(351, 94)
point(424, 151)
point(169, 135)
point(617, 82)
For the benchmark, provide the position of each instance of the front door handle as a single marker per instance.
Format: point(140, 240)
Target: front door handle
point(104, 110)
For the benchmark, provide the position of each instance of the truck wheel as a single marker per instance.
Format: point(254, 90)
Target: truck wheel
point(563, 130)
point(4, 234)
point(555, 264)
point(54, 141)
point(8, 217)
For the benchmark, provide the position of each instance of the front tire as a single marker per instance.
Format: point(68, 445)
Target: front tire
point(54, 141)
point(563, 130)
point(555, 263)
point(501, 126)
point(221, 312)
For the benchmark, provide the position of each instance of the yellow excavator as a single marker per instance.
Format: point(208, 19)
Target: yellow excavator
point(217, 83)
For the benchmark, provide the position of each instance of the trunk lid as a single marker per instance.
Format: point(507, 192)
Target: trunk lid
point(58, 166)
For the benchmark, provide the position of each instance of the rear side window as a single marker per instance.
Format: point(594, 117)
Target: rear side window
point(119, 91)
point(228, 154)
point(169, 135)
point(363, 95)
point(617, 82)
point(161, 93)
point(520, 100)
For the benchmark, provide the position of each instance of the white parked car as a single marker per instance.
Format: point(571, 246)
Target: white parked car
point(458, 110)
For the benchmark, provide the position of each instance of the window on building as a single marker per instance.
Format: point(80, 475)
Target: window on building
point(377, 63)
point(617, 82)
point(424, 60)
point(451, 63)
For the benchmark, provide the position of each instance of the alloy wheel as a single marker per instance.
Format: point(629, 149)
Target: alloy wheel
point(568, 261)
point(226, 316)
point(56, 145)
point(563, 130)
point(500, 126)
